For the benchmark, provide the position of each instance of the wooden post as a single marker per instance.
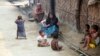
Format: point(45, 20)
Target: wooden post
point(52, 6)
point(77, 15)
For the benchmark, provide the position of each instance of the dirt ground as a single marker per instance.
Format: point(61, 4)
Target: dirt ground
point(9, 46)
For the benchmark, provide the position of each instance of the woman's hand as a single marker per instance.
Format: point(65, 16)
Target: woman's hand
point(47, 25)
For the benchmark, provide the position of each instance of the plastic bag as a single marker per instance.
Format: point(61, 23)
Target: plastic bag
point(92, 45)
point(92, 2)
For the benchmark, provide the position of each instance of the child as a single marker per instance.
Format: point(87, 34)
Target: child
point(20, 27)
point(54, 43)
point(87, 28)
point(42, 39)
point(91, 37)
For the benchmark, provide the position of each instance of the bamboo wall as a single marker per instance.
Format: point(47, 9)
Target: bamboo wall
point(66, 9)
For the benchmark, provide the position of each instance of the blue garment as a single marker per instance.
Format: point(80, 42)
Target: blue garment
point(20, 28)
point(49, 30)
point(53, 27)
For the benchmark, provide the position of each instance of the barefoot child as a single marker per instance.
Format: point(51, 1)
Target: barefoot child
point(42, 39)
point(91, 37)
point(20, 27)
point(54, 43)
point(87, 28)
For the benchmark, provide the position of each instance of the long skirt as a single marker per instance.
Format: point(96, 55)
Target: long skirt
point(21, 34)
point(21, 31)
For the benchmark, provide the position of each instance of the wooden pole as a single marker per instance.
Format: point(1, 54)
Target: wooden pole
point(52, 6)
point(77, 15)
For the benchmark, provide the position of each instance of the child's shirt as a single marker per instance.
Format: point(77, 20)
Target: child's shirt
point(42, 38)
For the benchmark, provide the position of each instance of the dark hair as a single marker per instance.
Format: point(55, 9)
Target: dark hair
point(55, 36)
point(19, 17)
point(95, 27)
point(87, 26)
point(48, 20)
point(40, 31)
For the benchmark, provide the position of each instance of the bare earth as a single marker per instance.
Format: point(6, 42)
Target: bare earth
point(9, 46)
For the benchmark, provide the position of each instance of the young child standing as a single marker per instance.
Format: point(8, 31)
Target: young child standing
point(54, 44)
point(42, 39)
point(20, 27)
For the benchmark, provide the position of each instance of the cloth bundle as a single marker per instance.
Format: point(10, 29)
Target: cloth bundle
point(92, 2)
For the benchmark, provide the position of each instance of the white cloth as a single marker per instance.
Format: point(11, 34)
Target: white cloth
point(97, 40)
point(41, 38)
point(43, 22)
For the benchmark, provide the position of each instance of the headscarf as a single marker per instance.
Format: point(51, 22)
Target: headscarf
point(39, 8)
point(53, 20)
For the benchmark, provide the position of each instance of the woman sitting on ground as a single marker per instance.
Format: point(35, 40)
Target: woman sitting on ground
point(38, 12)
point(50, 24)
point(52, 20)
point(91, 37)
point(42, 39)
